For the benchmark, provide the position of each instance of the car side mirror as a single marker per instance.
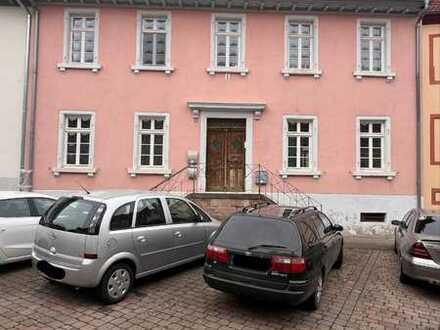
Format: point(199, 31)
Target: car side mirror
point(337, 228)
point(396, 222)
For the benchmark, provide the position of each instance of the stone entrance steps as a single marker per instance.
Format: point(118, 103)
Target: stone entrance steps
point(222, 205)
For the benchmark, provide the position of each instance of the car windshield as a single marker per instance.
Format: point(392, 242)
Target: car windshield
point(73, 215)
point(253, 233)
point(428, 226)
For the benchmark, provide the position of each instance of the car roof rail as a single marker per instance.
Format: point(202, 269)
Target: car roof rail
point(256, 206)
point(302, 210)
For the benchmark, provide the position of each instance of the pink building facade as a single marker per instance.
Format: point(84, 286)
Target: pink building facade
point(325, 100)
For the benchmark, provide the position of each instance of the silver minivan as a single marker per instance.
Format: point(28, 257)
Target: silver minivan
point(106, 240)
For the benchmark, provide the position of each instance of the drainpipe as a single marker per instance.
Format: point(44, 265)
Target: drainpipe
point(418, 107)
point(25, 95)
point(34, 97)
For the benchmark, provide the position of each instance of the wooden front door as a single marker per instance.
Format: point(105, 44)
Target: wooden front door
point(225, 154)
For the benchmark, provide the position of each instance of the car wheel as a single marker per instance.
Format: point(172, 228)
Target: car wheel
point(116, 283)
point(315, 299)
point(340, 260)
point(404, 279)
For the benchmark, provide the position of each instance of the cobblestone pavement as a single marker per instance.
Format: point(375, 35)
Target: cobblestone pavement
point(365, 293)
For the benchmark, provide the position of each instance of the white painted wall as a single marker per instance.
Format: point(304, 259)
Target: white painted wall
point(12, 63)
point(345, 209)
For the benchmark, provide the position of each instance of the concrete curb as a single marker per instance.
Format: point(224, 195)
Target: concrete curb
point(369, 242)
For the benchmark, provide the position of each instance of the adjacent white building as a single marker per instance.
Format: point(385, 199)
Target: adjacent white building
point(12, 75)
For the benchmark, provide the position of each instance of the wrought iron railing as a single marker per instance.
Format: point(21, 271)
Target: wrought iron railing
point(259, 178)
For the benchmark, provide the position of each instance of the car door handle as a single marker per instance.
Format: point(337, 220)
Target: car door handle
point(178, 234)
point(141, 239)
point(2, 230)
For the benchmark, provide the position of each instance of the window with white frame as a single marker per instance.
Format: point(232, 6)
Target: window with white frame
point(154, 41)
point(77, 136)
point(372, 144)
point(374, 48)
point(373, 147)
point(151, 138)
point(300, 145)
point(228, 43)
point(80, 39)
point(372, 42)
point(300, 48)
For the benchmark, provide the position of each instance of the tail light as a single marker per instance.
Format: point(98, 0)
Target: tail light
point(289, 265)
point(216, 253)
point(418, 250)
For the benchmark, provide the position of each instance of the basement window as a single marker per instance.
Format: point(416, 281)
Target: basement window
point(373, 217)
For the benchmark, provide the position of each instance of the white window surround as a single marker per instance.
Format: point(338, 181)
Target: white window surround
point(139, 66)
point(67, 63)
point(90, 170)
point(241, 69)
point(314, 69)
point(387, 72)
point(137, 169)
point(313, 169)
point(386, 171)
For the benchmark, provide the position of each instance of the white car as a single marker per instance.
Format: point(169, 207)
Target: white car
point(20, 213)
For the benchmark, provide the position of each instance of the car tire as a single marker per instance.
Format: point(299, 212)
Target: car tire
point(313, 302)
point(395, 245)
point(404, 279)
point(340, 260)
point(115, 283)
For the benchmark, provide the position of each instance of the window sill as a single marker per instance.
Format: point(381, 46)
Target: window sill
point(389, 76)
point(313, 173)
point(90, 171)
point(133, 172)
point(95, 67)
point(241, 71)
point(359, 174)
point(138, 68)
point(289, 72)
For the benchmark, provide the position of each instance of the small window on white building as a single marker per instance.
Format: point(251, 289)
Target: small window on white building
point(228, 44)
point(301, 46)
point(374, 48)
point(81, 39)
point(374, 147)
point(76, 142)
point(372, 216)
point(153, 42)
point(151, 144)
point(300, 146)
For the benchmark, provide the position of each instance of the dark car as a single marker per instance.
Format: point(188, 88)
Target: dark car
point(275, 253)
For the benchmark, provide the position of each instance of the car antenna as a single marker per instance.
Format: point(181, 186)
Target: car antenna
point(87, 192)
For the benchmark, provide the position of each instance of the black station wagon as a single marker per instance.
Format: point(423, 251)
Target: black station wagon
point(275, 253)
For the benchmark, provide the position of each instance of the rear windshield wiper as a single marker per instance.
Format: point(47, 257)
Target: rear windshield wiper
point(262, 246)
